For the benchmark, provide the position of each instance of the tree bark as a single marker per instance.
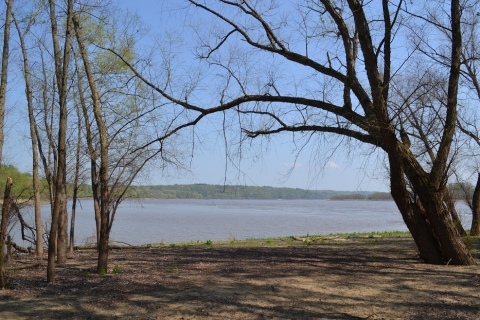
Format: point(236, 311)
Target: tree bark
point(103, 177)
point(475, 228)
point(76, 179)
point(453, 212)
point(448, 240)
point(59, 206)
point(4, 76)
point(413, 214)
point(3, 229)
point(92, 153)
point(33, 135)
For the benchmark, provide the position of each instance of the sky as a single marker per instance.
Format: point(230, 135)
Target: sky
point(342, 171)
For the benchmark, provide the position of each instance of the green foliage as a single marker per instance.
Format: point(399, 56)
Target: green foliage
point(380, 196)
point(116, 270)
point(208, 243)
point(469, 242)
point(172, 269)
point(22, 182)
point(459, 190)
point(206, 191)
point(103, 272)
point(349, 196)
point(86, 274)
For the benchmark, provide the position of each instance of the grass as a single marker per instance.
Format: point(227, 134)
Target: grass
point(172, 269)
point(282, 241)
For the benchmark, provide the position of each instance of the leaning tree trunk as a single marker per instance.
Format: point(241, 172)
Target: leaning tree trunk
point(475, 228)
point(412, 215)
point(453, 212)
point(448, 240)
point(3, 229)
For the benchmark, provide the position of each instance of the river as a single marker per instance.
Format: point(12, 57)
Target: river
point(154, 221)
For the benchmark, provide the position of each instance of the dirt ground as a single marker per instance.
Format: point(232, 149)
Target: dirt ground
point(353, 279)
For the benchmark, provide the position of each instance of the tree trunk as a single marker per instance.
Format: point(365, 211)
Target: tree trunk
point(453, 212)
point(413, 215)
point(61, 71)
point(475, 228)
point(98, 220)
point(72, 225)
point(448, 240)
point(102, 263)
point(62, 239)
point(3, 229)
point(92, 153)
point(3, 79)
point(76, 179)
point(103, 177)
point(33, 136)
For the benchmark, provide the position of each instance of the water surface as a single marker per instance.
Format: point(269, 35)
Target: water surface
point(155, 221)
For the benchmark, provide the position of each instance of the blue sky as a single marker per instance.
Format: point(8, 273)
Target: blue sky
point(341, 172)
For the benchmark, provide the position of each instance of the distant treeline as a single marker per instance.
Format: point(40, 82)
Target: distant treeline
point(376, 196)
point(206, 191)
point(22, 187)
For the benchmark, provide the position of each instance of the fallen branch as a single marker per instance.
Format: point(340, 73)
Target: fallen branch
point(365, 237)
point(128, 244)
point(30, 266)
point(20, 249)
point(299, 239)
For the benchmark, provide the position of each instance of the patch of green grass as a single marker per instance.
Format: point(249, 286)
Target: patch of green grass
point(469, 242)
point(283, 241)
point(375, 233)
point(116, 270)
point(86, 274)
point(172, 269)
point(103, 272)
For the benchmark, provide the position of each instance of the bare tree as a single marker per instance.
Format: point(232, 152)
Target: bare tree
point(76, 178)
point(59, 216)
point(355, 45)
point(33, 128)
point(118, 114)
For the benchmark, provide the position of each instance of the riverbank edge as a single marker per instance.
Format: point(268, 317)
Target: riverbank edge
point(253, 242)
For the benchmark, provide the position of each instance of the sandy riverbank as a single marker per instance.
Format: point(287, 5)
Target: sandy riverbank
point(354, 279)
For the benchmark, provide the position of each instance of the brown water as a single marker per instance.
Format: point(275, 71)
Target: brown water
point(155, 221)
